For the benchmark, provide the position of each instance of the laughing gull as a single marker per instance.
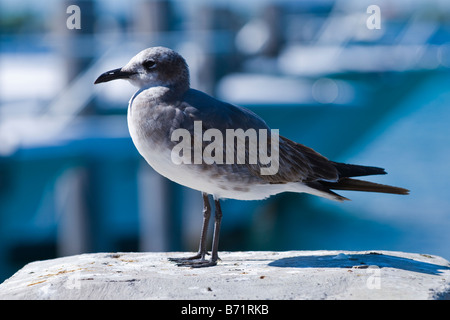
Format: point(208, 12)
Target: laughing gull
point(173, 126)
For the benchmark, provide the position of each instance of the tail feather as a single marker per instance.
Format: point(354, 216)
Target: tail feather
point(360, 185)
point(345, 182)
point(352, 170)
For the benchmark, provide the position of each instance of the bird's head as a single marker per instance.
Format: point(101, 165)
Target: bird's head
point(156, 66)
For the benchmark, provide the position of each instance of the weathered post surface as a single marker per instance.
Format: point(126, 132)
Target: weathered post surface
point(239, 275)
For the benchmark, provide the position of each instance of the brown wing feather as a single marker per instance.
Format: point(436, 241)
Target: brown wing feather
point(298, 163)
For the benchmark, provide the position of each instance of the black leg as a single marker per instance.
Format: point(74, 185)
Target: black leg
point(206, 215)
point(202, 246)
point(217, 222)
point(201, 262)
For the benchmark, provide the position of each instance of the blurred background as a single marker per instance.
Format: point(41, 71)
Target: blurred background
point(72, 182)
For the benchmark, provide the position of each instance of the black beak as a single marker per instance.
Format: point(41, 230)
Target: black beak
point(113, 75)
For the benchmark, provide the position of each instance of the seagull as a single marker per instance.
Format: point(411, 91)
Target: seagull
point(165, 104)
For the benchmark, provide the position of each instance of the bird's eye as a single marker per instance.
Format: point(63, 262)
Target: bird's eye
point(149, 64)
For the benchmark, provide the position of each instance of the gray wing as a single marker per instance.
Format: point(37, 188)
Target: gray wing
point(217, 114)
point(296, 162)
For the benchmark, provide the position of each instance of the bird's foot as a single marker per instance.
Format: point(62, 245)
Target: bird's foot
point(200, 263)
point(198, 256)
point(197, 261)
